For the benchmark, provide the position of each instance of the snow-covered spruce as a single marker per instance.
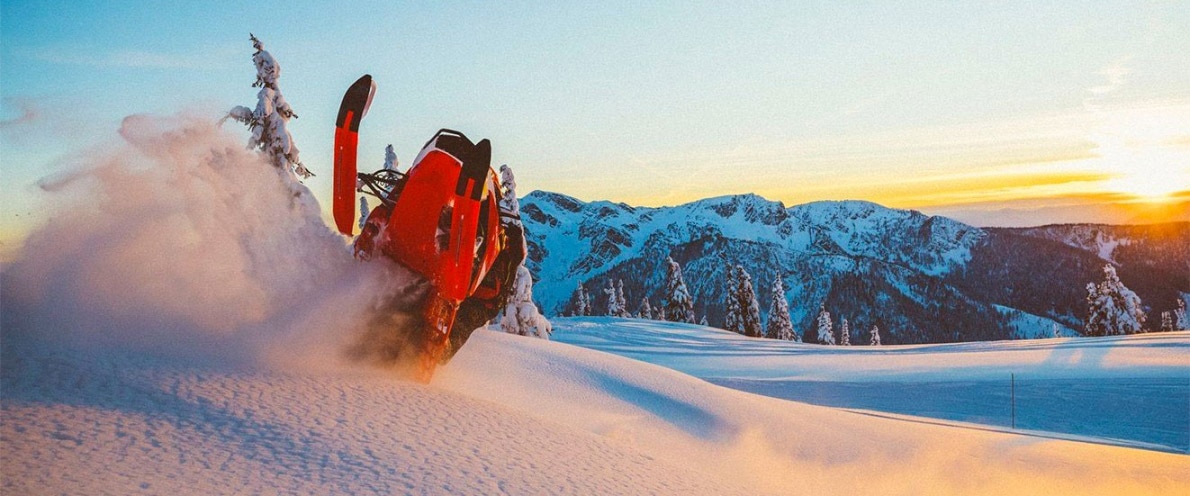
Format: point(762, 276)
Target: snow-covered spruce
point(508, 201)
point(364, 211)
point(1181, 321)
point(616, 306)
point(731, 305)
point(844, 333)
point(621, 301)
point(679, 305)
point(580, 304)
point(874, 336)
point(825, 327)
point(390, 158)
point(645, 311)
point(749, 308)
point(521, 315)
point(779, 325)
point(1112, 308)
point(268, 122)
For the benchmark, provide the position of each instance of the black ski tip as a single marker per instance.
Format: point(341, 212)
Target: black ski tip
point(355, 101)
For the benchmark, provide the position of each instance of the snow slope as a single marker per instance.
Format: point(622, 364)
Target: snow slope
point(509, 416)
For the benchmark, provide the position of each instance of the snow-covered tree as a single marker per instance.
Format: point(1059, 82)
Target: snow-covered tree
point(731, 305)
point(1112, 308)
point(679, 305)
point(364, 211)
point(579, 305)
point(874, 336)
point(750, 308)
point(780, 326)
point(613, 300)
point(1056, 331)
point(825, 327)
point(268, 122)
point(844, 334)
point(1166, 321)
point(390, 158)
point(646, 310)
point(521, 316)
point(620, 300)
point(703, 321)
point(1181, 321)
point(508, 201)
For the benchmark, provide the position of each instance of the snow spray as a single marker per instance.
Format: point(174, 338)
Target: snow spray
point(178, 240)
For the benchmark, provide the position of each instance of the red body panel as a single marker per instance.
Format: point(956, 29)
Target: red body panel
point(434, 231)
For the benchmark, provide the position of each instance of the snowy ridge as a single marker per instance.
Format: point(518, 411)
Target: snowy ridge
point(924, 279)
point(599, 235)
point(1099, 239)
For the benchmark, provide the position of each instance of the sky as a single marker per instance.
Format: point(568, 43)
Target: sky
point(994, 113)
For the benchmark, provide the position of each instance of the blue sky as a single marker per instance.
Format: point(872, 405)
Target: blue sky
point(995, 113)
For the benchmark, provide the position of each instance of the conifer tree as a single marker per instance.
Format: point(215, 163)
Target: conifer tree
point(390, 159)
point(521, 315)
point(825, 327)
point(364, 212)
point(1166, 321)
point(844, 334)
point(750, 309)
point(269, 120)
point(589, 307)
point(621, 301)
point(874, 336)
point(1112, 308)
point(780, 326)
point(613, 309)
point(703, 321)
point(1181, 321)
point(579, 304)
point(678, 306)
point(731, 305)
point(646, 310)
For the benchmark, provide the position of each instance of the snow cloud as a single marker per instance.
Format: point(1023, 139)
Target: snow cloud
point(180, 241)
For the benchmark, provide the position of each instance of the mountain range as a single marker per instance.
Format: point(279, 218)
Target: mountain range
point(920, 278)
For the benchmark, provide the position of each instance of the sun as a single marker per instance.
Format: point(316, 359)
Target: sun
point(1147, 158)
point(1155, 183)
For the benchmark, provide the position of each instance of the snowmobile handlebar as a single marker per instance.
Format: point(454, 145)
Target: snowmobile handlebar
point(381, 184)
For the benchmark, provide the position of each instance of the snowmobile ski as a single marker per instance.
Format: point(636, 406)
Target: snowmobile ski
point(355, 105)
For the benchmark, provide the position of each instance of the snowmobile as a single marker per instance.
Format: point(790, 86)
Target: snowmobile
point(441, 219)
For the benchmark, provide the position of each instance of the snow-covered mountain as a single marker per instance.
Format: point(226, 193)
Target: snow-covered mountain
point(921, 278)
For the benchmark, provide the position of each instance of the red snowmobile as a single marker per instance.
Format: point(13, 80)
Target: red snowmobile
point(441, 219)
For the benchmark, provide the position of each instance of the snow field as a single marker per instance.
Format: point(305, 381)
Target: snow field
point(1124, 390)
